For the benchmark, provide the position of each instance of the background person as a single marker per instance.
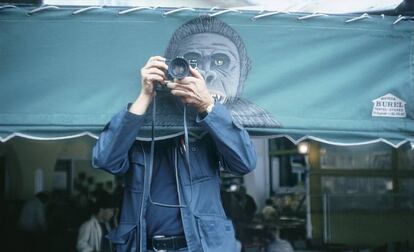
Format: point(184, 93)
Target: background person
point(92, 233)
point(269, 212)
point(277, 244)
point(33, 223)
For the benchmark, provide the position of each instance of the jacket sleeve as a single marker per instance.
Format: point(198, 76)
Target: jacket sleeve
point(111, 150)
point(82, 244)
point(232, 140)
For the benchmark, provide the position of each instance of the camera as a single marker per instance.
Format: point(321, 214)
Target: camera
point(178, 68)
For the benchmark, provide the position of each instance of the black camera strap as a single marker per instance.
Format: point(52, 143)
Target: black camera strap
point(186, 160)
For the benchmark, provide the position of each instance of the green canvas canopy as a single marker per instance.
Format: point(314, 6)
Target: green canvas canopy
point(340, 79)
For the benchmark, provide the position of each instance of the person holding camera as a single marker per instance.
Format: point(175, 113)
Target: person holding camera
point(171, 198)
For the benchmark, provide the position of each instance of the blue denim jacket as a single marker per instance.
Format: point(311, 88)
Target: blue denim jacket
point(206, 226)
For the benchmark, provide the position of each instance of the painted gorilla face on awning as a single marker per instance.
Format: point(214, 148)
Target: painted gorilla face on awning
point(217, 59)
point(218, 51)
point(219, 54)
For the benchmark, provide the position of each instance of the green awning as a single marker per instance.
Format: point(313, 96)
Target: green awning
point(326, 78)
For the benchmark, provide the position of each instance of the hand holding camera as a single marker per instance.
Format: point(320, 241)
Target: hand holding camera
point(192, 90)
point(183, 81)
point(153, 72)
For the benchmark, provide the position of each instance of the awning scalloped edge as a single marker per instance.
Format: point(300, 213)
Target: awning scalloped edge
point(293, 140)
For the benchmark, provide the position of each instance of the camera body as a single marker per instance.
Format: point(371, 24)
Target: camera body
point(178, 68)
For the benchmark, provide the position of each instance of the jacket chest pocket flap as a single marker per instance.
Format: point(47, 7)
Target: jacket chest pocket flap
point(202, 163)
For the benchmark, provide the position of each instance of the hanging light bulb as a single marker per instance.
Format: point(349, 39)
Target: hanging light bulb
point(303, 147)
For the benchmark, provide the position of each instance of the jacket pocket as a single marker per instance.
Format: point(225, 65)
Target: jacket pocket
point(217, 234)
point(124, 237)
point(203, 162)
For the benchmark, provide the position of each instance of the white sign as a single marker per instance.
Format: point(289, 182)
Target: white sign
point(389, 106)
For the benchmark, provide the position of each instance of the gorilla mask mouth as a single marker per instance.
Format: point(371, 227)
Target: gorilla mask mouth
point(218, 96)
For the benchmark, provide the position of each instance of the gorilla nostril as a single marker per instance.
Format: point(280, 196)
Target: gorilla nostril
point(210, 76)
point(209, 79)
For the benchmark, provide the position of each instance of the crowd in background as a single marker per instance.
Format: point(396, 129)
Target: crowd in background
point(58, 221)
point(61, 222)
point(258, 230)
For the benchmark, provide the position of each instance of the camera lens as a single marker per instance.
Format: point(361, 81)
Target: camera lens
point(178, 68)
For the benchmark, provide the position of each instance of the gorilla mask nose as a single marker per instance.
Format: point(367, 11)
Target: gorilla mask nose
point(209, 76)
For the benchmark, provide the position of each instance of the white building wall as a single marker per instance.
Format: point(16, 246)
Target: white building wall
point(257, 182)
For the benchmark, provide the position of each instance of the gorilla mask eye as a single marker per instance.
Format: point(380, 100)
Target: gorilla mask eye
point(219, 60)
point(193, 59)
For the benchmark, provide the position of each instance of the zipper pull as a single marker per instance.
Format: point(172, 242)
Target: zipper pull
point(182, 146)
